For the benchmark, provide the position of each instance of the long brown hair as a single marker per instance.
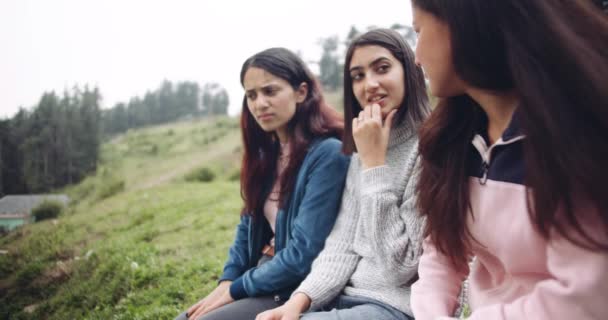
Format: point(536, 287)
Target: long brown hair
point(313, 119)
point(554, 54)
point(415, 106)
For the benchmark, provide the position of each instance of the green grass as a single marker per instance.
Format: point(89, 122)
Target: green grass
point(138, 241)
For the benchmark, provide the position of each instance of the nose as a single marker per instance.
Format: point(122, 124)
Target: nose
point(371, 83)
point(260, 103)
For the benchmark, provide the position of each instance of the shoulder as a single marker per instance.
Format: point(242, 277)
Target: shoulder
point(326, 147)
point(325, 151)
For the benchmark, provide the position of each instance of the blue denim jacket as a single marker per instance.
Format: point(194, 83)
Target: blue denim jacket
point(300, 231)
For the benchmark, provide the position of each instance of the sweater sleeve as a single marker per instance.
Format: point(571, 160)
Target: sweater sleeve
point(392, 220)
point(577, 288)
point(332, 269)
point(435, 294)
point(316, 216)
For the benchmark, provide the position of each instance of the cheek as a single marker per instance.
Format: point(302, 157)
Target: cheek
point(420, 58)
point(288, 106)
point(359, 93)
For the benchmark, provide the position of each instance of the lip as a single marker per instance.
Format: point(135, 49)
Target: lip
point(382, 97)
point(265, 116)
point(381, 102)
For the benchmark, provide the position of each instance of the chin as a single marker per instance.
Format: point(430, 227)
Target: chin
point(386, 110)
point(445, 90)
point(439, 92)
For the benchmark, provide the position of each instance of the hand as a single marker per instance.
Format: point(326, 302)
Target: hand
point(279, 313)
point(371, 135)
point(291, 310)
point(218, 297)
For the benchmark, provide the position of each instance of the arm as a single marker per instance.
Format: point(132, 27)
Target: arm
point(316, 217)
point(435, 294)
point(577, 289)
point(238, 255)
point(392, 219)
point(334, 266)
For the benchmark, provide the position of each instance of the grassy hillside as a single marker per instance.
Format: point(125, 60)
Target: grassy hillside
point(139, 241)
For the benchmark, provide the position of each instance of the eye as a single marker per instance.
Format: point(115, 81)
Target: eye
point(251, 95)
point(269, 91)
point(383, 68)
point(357, 76)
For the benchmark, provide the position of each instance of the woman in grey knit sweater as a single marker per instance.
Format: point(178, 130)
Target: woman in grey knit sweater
point(371, 256)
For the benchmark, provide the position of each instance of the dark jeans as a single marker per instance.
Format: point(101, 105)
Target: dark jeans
point(244, 309)
point(356, 308)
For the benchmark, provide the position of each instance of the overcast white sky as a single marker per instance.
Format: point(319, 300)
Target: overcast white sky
point(126, 47)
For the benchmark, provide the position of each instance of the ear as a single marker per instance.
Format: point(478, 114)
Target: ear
point(302, 92)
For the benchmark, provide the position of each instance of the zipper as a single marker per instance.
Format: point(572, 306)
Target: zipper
point(486, 153)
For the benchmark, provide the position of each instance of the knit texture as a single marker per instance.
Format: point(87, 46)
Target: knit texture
point(374, 247)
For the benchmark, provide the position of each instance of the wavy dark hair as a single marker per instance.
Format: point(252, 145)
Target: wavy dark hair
point(313, 119)
point(415, 106)
point(554, 55)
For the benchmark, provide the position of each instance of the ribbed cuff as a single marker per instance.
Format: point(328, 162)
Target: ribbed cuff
point(375, 180)
point(322, 286)
point(237, 289)
point(230, 274)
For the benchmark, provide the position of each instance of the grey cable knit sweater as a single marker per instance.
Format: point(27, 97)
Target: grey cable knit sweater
point(374, 247)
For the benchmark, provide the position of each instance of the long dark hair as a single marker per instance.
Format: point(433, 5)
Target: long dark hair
point(415, 106)
point(313, 118)
point(554, 55)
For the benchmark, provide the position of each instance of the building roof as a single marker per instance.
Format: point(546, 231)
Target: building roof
point(23, 204)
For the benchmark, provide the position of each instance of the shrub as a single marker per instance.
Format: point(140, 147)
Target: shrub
point(201, 175)
point(110, 187)
point(47, 210)
point(235, 175)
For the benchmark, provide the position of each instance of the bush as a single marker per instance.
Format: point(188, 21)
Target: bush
point(82, 190)
point(235, 175)
point(3, 232)
point(29, 272)
point(110, 187)
point(47, 210)
point(201, 175)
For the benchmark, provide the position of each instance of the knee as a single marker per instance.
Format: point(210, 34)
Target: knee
point(182, 316)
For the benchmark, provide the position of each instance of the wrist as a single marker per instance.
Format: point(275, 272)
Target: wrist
point(300, 302)
point(225, 283)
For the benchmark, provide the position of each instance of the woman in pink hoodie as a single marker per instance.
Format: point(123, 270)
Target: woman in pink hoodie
point(514, 159)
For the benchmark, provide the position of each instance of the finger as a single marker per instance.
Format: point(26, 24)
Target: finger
point(355, 123)
point(195, 315)
point(262, 316)
point(376, 113)
point(368, 112)
point(193, 309)
point(361, 115)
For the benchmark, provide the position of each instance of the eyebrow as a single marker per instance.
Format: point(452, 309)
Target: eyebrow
point(262, 87)
point(378, 60)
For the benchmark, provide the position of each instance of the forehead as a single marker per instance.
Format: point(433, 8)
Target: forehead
point(364, 55)
point(258, 77)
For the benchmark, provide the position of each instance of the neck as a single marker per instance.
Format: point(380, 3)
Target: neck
point(498, 106)
point(282, 134)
